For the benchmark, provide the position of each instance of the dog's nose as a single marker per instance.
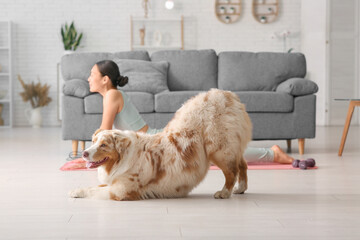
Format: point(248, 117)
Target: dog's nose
point(85, 154)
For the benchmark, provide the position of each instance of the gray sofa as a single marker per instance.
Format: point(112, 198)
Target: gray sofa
point(280, 102)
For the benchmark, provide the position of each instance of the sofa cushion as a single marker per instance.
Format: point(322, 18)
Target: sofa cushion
point(193, 70)
point(246, 71)
point(168, 101)
point(78, 65)
point(144, 76)
point(144, 102)
point(298, 87)
point(77, 88)
point(256, 101)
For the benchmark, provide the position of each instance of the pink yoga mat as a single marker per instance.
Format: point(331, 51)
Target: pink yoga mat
point(78, 165)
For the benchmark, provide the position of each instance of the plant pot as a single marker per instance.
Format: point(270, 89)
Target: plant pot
point(68, 52)
point(34, 116)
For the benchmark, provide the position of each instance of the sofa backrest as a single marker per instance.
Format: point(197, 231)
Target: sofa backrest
point(264, 71)
point(78, 65)
point(189, 69)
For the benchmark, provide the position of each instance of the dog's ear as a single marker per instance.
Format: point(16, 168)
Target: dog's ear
point(122, 142)
point(96, 132)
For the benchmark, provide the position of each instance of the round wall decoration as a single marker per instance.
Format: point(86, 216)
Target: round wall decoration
point(265, 11)
point(228, 11)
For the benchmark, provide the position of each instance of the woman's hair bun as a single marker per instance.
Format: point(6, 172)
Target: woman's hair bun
point(122, 80)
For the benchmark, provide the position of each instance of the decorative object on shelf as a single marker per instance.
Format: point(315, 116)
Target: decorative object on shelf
point(222, 10)
point(142, 36)
point(1, 120)
point(3, 94)
point(263, 19)
point(227, 19)
point(70, 37)
point(37, 94)
point(265, 11)
point(146, 6)
point(232, 10)
point(157, 38)
point(228, 11)
point(169, 4)
point(283, 35)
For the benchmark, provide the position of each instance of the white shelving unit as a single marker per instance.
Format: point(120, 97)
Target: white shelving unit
point(160, 33)
point(6, 104)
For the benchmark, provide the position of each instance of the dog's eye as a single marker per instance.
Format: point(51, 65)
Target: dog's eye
point(102, 145)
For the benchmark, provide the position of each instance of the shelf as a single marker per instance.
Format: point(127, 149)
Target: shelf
point(156, 33)
point(234, 4)
point(265, 4)
point(227, 14)
point(155, 19)
point(155, 47)
point(267, 14)
point(6, 81)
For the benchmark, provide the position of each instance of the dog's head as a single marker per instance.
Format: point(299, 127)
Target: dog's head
point(108, 148)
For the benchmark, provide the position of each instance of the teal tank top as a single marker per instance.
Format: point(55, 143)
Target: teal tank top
point(129, 117)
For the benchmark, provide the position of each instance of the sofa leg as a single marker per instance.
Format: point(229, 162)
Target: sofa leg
point(301, 145)
point(82, 145)
point(288, 143)
point(75, 145)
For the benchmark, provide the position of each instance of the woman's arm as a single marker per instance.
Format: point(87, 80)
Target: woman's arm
point(112, 104)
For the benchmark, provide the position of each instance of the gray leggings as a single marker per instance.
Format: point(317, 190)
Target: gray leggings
point(251, 154)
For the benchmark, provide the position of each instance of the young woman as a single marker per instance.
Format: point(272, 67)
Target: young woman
point(118, 111)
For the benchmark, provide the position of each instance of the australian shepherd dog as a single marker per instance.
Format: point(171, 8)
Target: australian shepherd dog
point(212, 127)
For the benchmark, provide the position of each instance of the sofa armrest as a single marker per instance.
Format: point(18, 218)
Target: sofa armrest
point(298, 87)
point(77, 88)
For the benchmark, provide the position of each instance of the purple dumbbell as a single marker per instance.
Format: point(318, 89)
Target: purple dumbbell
point(295, 163)
point(310, 162)
point(303, 165)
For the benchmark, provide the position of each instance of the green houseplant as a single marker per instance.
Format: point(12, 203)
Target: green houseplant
point(70, 37)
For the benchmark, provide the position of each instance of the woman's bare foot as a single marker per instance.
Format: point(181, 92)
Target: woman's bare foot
point(280, 156)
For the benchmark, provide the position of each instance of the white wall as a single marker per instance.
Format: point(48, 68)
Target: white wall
point(313, 45)
point(105, 24)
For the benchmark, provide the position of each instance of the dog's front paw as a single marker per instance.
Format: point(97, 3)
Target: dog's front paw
point(241, 188)
point(222, 194)
point(77, 193)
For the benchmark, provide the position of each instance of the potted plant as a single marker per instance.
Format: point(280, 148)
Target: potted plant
point(70, 37)
point(37, 94)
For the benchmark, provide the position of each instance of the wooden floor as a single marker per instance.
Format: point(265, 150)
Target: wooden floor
point(280, 204)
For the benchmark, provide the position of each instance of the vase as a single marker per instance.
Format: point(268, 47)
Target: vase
point(142, 36)
point(34, 116)
point(1, 120)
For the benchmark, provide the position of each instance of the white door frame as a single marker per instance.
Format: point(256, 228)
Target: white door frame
point(327, 66)
point(328, 82)
point(357, 75)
